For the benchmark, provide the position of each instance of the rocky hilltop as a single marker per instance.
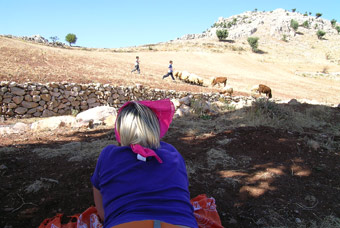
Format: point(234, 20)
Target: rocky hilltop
point(273, 23)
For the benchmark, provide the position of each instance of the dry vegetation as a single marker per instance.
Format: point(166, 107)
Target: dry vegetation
point(22, 61)
point(267, 165)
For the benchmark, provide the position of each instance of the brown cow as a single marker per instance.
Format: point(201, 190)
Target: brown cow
point(263, 89)
point(219, 80)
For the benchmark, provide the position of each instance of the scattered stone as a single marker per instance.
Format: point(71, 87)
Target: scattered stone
point(297, 220)
point(313, 144)
point(293, 102)
point(43, 183)
point(232, 221)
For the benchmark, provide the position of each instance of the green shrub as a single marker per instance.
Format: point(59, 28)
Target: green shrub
point(284, 38)
point(253, 42)
point(306, 14)
point(293, 10)
point(221, 34)
point(337, 29)
point(71, 38)
point(305, 24)
point(333, 22)
point(318, 15)
point(320, 34)
point(294, 24)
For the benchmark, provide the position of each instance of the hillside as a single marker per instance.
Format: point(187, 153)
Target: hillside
point(292, 69)
point(267, 164)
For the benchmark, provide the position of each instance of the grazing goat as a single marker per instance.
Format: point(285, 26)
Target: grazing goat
point(263, 89)
point(185, 75)
point(227, 90)
point(199, 81)
point(219, 80)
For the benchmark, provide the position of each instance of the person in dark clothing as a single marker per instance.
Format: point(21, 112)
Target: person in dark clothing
point(142, 182)
point(136, 66)
point(170, 71)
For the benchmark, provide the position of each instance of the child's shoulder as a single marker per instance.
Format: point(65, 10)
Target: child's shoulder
point(110, 148)
point(167, 146)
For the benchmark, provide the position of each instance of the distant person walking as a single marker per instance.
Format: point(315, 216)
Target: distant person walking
point(136, 66)
point(170, 71)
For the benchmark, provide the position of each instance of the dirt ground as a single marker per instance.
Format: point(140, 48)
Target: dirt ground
point(278, 67)
point(259, 176)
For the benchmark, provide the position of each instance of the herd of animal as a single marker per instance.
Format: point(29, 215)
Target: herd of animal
point(197, 80)
point(189, 77)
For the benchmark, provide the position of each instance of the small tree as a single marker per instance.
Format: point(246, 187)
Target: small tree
point(333, 22)
point(318, 15)
point(320, 34)
point(71, 38)
point(253, 42)
point(293, 10)
point(337, 29)
point(54, 38)
point(294, 24)
point(305, 14)
point(222, 34)
point(305, 24)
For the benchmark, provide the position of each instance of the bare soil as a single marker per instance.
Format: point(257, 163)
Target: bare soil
point(260, 176)
point(276, 67)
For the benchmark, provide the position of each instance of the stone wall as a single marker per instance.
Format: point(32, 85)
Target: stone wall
point(53, 99)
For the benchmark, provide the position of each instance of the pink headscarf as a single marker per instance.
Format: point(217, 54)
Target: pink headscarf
point(164, 110)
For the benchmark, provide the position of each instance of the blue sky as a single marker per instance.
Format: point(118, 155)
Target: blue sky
point(122, 23)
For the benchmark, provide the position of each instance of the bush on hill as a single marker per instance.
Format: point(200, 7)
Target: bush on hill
point(333, 22)
point(294, 25)
point(253, 42)
point(320, 34)
point(221, 34)
point(337, 29)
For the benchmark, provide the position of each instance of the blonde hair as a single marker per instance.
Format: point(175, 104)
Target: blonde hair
point(138, 124)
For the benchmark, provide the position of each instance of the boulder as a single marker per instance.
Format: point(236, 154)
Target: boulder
point(53, 123)
point(293, 102)
point(97, 115)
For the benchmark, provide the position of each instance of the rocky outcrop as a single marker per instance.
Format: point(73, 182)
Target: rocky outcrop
point(36, 39)
point(274, 23)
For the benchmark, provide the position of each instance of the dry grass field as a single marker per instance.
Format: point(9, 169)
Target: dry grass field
point(280, 66)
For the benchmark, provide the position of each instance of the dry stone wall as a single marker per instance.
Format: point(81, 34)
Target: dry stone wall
point(53, 99)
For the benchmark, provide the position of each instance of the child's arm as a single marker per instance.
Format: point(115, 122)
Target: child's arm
point(99, 203)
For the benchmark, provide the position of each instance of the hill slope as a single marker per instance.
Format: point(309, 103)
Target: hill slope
point(289, 68)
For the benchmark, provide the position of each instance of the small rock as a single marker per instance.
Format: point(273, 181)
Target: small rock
point(293, 102)
point(3, 167)
point(232, 221)
point(297, 220)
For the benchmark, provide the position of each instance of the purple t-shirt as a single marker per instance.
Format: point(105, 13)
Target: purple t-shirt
point(134, 190)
